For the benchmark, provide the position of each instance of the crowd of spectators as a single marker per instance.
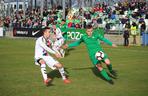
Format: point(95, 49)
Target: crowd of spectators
point(112, 17)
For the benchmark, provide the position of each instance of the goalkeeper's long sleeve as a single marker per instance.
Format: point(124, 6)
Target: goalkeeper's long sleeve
point(74, 44)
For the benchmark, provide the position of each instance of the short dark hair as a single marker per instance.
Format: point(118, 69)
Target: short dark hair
point(54, 23)
point(44, 29)
point(64, 20)
point(89, 26)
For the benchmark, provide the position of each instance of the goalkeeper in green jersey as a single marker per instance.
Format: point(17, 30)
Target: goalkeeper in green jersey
point(93, 45)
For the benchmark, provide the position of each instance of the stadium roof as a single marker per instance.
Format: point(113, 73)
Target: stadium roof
point(7, 1)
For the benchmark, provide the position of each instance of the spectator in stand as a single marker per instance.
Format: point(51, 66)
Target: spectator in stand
point(134, 32)
point(126, 36)
point(1, 22)
point(142, 27)
point(7, 22)
point(121, 12)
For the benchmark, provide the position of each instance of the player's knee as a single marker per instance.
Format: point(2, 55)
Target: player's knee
point(99, 67)
point(107, 61)
point(58, 65)
point(42, 61)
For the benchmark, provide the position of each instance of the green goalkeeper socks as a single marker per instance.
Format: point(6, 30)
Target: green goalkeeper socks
point(110, 67)
point(105, 75)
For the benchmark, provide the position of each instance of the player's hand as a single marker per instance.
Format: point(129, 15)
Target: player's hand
point(65, 46)
point(58, 55)
point(114, 45)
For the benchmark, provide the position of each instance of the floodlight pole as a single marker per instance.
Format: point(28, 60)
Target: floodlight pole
point(63, 3)
point(82, 13)
point(24, 9)
point(93, 2)
point(42, 6)
point(17, 6)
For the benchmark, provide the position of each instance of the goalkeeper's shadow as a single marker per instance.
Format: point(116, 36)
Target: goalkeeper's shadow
point(80, 68)
point(97, 73)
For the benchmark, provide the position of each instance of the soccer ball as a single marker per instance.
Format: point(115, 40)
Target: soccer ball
point(99, 55)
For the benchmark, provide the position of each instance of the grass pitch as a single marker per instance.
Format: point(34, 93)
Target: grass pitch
point(20, 77)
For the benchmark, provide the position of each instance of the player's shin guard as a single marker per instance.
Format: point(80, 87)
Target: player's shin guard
point(105, 75)
point(62, 72)
point(113, 72)
point(43, 71)
point(110, 67)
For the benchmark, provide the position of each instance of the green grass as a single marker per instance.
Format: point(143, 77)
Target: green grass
point(20, 77)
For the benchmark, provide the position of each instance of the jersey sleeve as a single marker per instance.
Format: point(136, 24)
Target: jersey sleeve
point(59, 31)
point(43, 45)
point(105, 40)
point(76, 43)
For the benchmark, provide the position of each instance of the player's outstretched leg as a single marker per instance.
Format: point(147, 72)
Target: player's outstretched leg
point(62, 72)
point(44, 74)
point(104, 73)
point(109, 66)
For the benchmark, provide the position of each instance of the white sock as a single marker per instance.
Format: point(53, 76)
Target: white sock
point(62, 72)
point(43, 71)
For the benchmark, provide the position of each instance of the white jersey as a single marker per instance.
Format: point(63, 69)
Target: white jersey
point(41, 47)
point(58, 34)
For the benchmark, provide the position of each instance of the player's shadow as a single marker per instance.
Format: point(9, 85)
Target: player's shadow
point(56, 74)
point(94, 70)
point(97, 73)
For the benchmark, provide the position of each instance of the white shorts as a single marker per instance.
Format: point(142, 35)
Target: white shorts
point(50, 61)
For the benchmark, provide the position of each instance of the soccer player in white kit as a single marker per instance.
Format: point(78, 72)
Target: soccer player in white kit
point(59, 40)
point(42, 58)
